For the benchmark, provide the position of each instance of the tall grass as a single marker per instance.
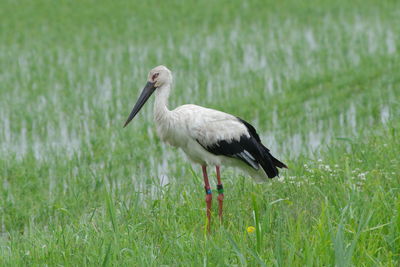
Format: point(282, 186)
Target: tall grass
point(318, 79)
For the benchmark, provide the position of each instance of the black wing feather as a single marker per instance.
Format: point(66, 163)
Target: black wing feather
point(253, 132)
point(249, 149)
point(242, 149)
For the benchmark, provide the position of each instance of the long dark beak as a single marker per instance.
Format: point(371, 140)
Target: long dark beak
point(148, 90)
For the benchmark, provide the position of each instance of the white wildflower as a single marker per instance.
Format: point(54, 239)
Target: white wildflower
point(362, 175)
point(328, 168)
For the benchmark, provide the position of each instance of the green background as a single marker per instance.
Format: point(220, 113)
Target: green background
point(319, 79)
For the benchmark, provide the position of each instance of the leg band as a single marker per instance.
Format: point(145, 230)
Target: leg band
point(220, 189)
point(208, 191)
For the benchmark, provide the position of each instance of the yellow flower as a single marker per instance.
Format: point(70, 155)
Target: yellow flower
point(251, 229)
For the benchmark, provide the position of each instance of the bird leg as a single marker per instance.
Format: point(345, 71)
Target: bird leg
point(220, 189)
point(208, 196)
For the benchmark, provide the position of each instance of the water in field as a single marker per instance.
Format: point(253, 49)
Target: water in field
point(295, 85)
point(319, 80)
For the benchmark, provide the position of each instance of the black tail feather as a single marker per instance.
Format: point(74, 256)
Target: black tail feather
point(269, 168)
point(277, 163)
point(264, 158)
point(269, 163)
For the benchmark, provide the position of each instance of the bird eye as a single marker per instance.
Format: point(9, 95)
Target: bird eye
point(155, 75)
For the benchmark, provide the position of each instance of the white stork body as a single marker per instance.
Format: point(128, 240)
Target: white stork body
point(195, 125)
point(192, 128)
point(208, 137)
point(188, 126)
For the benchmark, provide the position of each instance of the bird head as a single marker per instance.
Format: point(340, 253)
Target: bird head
point(160, 76)
point(157, 78)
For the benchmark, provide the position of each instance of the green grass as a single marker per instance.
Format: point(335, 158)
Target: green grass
point(319, 79)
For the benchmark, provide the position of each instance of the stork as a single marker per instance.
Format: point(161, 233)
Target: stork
point(208, 137)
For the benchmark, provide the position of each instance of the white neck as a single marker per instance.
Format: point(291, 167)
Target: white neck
point(161, 111)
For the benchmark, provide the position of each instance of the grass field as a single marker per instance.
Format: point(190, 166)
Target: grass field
point(320, 80)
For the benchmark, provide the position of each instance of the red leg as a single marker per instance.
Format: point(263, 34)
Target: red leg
point(208, 196)
point(220, 189)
